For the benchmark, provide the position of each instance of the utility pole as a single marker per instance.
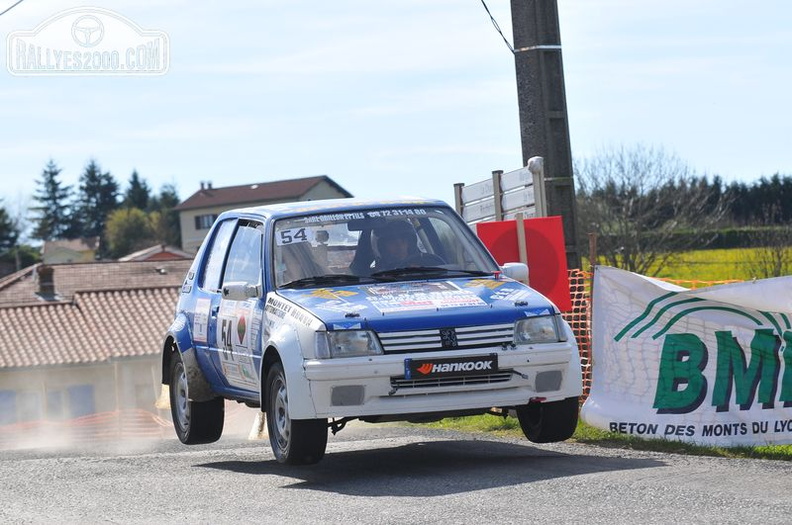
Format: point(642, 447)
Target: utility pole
point(541, 98)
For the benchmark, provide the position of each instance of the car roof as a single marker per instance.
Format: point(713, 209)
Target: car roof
point(290, 209)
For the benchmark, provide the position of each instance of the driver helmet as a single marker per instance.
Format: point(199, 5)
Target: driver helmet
point(397, 229)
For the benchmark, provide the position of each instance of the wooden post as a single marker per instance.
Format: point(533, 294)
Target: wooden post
point(536, 167)
point(521, 245)
point(592, 238)
point(497, 194)
point(459, 204)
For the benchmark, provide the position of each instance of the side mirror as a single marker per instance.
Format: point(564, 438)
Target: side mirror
point(240, 291)
point(516, 270)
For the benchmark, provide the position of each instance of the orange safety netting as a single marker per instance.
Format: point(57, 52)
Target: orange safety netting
point(579, 319)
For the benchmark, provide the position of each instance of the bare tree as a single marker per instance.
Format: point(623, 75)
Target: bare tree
point(646, 206)
point(773, 255)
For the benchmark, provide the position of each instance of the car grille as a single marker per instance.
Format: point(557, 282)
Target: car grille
point(433, 340)
point(498, 377)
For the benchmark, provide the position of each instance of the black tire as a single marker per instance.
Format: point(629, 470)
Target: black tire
point(195, 422)
point(549, 422)
point(294, 442)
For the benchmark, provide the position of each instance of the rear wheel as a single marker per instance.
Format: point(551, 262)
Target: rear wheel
point(549, 422)
point(195, 422)
point(294, 442)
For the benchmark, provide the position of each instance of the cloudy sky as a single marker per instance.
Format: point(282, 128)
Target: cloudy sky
point(397, 97)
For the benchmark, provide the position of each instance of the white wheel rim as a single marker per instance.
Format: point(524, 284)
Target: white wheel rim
point(280, 409)
point(182, 400)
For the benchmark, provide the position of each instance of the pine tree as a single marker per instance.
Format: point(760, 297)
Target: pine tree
point(52, 217)
point(9, 232)
point(97, 198)
point(138, 194)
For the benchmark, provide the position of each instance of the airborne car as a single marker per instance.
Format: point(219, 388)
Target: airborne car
point(324, 312)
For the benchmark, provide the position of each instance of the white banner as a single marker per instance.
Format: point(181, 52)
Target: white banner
point(710, 366)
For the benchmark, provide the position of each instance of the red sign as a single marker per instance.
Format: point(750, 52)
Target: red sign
point(546, 255)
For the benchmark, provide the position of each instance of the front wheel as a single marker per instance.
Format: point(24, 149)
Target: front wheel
point(195, 422)
point(294, 442)
point(549, 422)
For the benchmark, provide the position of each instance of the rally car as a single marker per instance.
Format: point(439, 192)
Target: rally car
point(323, 312)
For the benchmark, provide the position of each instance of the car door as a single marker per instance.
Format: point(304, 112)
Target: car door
point(207, 296)
point(238, 333)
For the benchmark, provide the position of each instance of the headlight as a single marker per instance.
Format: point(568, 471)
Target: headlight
point(346, 343)
point(537, 330)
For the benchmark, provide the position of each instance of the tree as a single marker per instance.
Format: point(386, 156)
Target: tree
point(97, 198)
point(166, 224)
point(52, 217)
point(9, 232)
point(138, 193)
point(646, 206)
point(773, 255)
point(128, 230)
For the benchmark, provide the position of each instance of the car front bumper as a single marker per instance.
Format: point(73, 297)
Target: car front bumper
point(376, 385)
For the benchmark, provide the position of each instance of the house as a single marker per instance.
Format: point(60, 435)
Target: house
point(158, 252)
point(83, 339)
point(199, 211)
point(70, 250)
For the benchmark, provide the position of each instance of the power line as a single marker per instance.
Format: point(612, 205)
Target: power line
point(11, 7)
point(494, 23)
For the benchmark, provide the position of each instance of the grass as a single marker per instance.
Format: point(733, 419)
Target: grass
point(510, 427)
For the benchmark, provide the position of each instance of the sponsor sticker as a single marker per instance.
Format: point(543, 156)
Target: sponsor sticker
point(450, 366)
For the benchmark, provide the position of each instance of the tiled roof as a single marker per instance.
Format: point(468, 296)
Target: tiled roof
point(94, 327)
point(277, 191)
point(21, 287)
point(77, 245)
point(158, 252)
point(103, 310)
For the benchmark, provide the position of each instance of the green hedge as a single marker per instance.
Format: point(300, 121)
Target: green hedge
point(726, 238)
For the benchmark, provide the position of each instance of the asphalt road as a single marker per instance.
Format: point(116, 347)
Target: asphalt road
point(388, 474)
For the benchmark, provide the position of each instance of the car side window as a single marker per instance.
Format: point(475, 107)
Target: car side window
point(210, 279)
point(244, 258)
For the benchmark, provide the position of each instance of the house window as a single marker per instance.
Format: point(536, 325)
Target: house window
point(81, 400)
point(19, 406)
point(204, 222)
point(8, 411)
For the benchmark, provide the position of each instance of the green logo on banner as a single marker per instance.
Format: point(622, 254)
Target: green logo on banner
point(745, 377)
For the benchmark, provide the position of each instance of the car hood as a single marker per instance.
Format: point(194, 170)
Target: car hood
point(420, 305)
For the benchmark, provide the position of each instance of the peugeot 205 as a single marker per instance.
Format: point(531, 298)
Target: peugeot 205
point(323, 312)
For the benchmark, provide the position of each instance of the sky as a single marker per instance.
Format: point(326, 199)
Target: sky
point(396, 97)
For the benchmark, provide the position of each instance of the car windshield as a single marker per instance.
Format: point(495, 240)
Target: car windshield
point(371, 245)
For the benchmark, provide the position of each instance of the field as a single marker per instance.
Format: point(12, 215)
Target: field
point(737, 264)
point(712, 265)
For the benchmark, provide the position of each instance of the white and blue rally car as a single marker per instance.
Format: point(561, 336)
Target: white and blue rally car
point(323, 312)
